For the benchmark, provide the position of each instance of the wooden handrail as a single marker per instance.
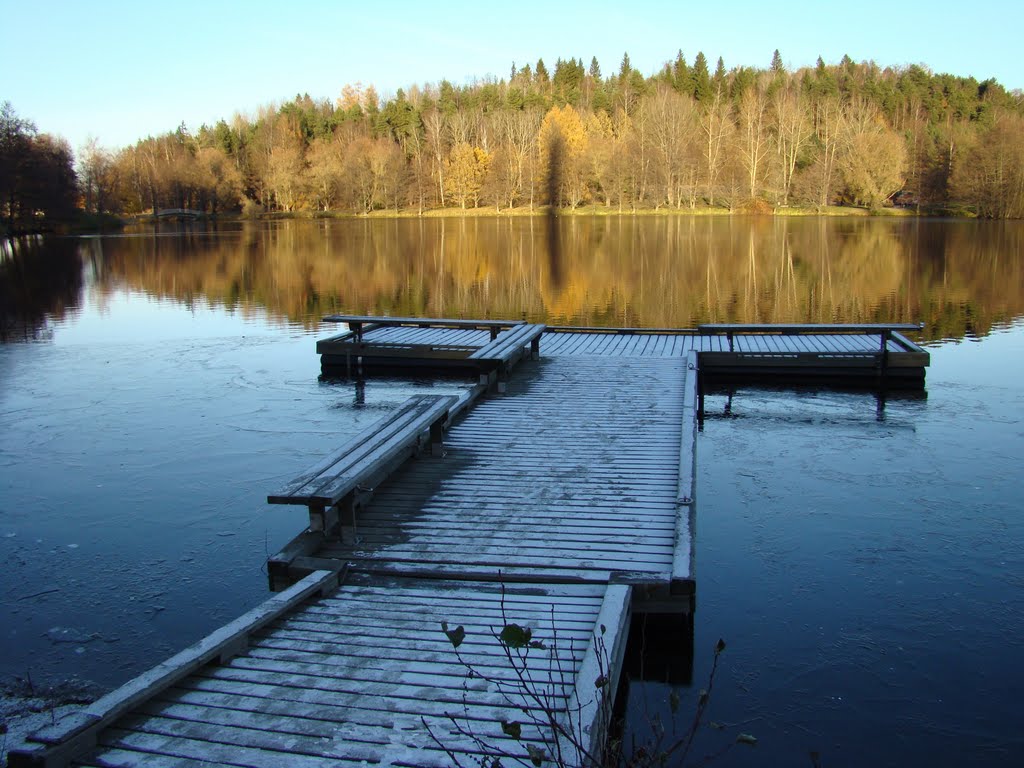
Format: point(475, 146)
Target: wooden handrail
point(799, 328)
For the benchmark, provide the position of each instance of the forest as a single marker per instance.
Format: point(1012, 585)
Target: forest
point(37, 175)
point(687, 138)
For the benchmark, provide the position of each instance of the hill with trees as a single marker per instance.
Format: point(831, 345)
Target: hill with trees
point(689, 137)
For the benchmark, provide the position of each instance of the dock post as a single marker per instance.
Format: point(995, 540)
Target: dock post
point(884, 361)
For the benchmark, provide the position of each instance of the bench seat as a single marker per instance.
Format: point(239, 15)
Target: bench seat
point(363, 460)
point(495, 359)
point(360, 324)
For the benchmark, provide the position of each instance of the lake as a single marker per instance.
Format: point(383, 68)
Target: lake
point(863, 560)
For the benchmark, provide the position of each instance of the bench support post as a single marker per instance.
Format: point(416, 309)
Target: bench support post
point(437, 438)
point(322, 518)
point(348, 511)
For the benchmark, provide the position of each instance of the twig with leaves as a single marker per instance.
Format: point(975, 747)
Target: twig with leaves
point(552, 730)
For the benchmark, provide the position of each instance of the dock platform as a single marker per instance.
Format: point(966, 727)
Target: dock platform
point(868, 354)
point(471, 565)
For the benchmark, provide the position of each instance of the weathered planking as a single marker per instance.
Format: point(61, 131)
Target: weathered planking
point(78, 731)
point(375, 687)
point(516, 461)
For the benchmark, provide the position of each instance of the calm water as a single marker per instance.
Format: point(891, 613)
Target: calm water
point(864, 563)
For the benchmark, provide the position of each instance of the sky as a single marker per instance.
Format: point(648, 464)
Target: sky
point(121, 71)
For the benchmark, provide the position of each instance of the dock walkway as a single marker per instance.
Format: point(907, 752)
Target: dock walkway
point(559, 507)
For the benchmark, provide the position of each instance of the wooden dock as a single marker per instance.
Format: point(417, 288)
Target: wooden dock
point(873, 354)
point(556, 499)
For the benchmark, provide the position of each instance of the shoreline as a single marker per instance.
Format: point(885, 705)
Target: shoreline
point(25, 708)
point(111, 223)
point(834, 211)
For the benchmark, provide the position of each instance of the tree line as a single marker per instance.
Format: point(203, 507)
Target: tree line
point(686, 137)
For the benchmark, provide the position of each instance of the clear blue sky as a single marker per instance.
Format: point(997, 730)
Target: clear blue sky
point(120, 71)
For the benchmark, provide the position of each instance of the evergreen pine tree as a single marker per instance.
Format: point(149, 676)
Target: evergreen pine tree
point(777, 65)
point(718, 81)
point(541, 73)
point(681, 74)
point(626, 69)
point(700, 77)
point(595, 69)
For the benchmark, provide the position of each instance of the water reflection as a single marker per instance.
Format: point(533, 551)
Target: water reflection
point(960, 278)
point(40, 281)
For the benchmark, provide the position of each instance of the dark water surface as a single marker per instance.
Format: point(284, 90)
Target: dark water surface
point(864, 563)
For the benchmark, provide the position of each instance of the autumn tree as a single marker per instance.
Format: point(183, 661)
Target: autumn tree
point(466, 169)
point(716, 129)
point(323, 173)
point(988, 177)
point(387, 166)
point(435, 126)
point(673, 128)
point(97, 175)
point(517, 134)
point(752, 137)
point(357, 183)
point(832, 134)
point(873, 165)
point(284, 172)
point(564, 125)
point(608, 150)
point(37, 177)
point(219, 181)
point(792, 131)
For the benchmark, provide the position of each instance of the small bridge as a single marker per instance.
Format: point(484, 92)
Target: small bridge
point(178, 213)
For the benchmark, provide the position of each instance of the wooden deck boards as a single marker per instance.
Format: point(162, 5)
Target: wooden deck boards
point(558, 343)
point(592, 492)
point(367, 675)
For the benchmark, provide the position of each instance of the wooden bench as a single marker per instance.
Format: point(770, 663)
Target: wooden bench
point(496, 358)
point(335, 485)
point(873, 361)
point(885, 330)
point(360, 324)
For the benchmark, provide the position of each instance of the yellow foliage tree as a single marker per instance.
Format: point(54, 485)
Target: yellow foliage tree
point(563, 145)
point(465, 172)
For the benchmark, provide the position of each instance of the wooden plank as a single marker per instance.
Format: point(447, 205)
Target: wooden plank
point(122, 758)
point(509, 343)
point(590, 705)
point(806, 328)
point(78, 731)
point(376, 434)
point(367, 454)
point(591, 329)
point(579, 339)
point(682, 557)
point(422, 321)
point(200, 751)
